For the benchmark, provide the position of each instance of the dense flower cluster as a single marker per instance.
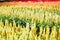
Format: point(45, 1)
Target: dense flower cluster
point(29, 23)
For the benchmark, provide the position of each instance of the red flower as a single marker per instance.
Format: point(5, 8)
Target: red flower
point(50, 0)
point(19, 0)
point(34, 0)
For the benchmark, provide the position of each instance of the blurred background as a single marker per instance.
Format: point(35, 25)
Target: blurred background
point(27, 0)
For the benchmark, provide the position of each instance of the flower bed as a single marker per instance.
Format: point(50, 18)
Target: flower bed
point(29, 22)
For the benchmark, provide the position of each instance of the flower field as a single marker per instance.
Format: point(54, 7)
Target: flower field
point(30, 22)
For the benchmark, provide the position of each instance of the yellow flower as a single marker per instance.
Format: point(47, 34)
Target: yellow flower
point(36, 38)
point(56, 18)
point(33, 29)
point(1, 28)
point(31, 36)
point(47, 32)
point(6, 23)
point(27, 28)
point(3, 32)
point(14, 24)
point(0, 37)
point(53, 35)
point(41, 18)
point(41, 31)
point(10, 37)
point(1, 23)
point(44, 33)
point(10, 24)
point(15, 37)
point(59, 34)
